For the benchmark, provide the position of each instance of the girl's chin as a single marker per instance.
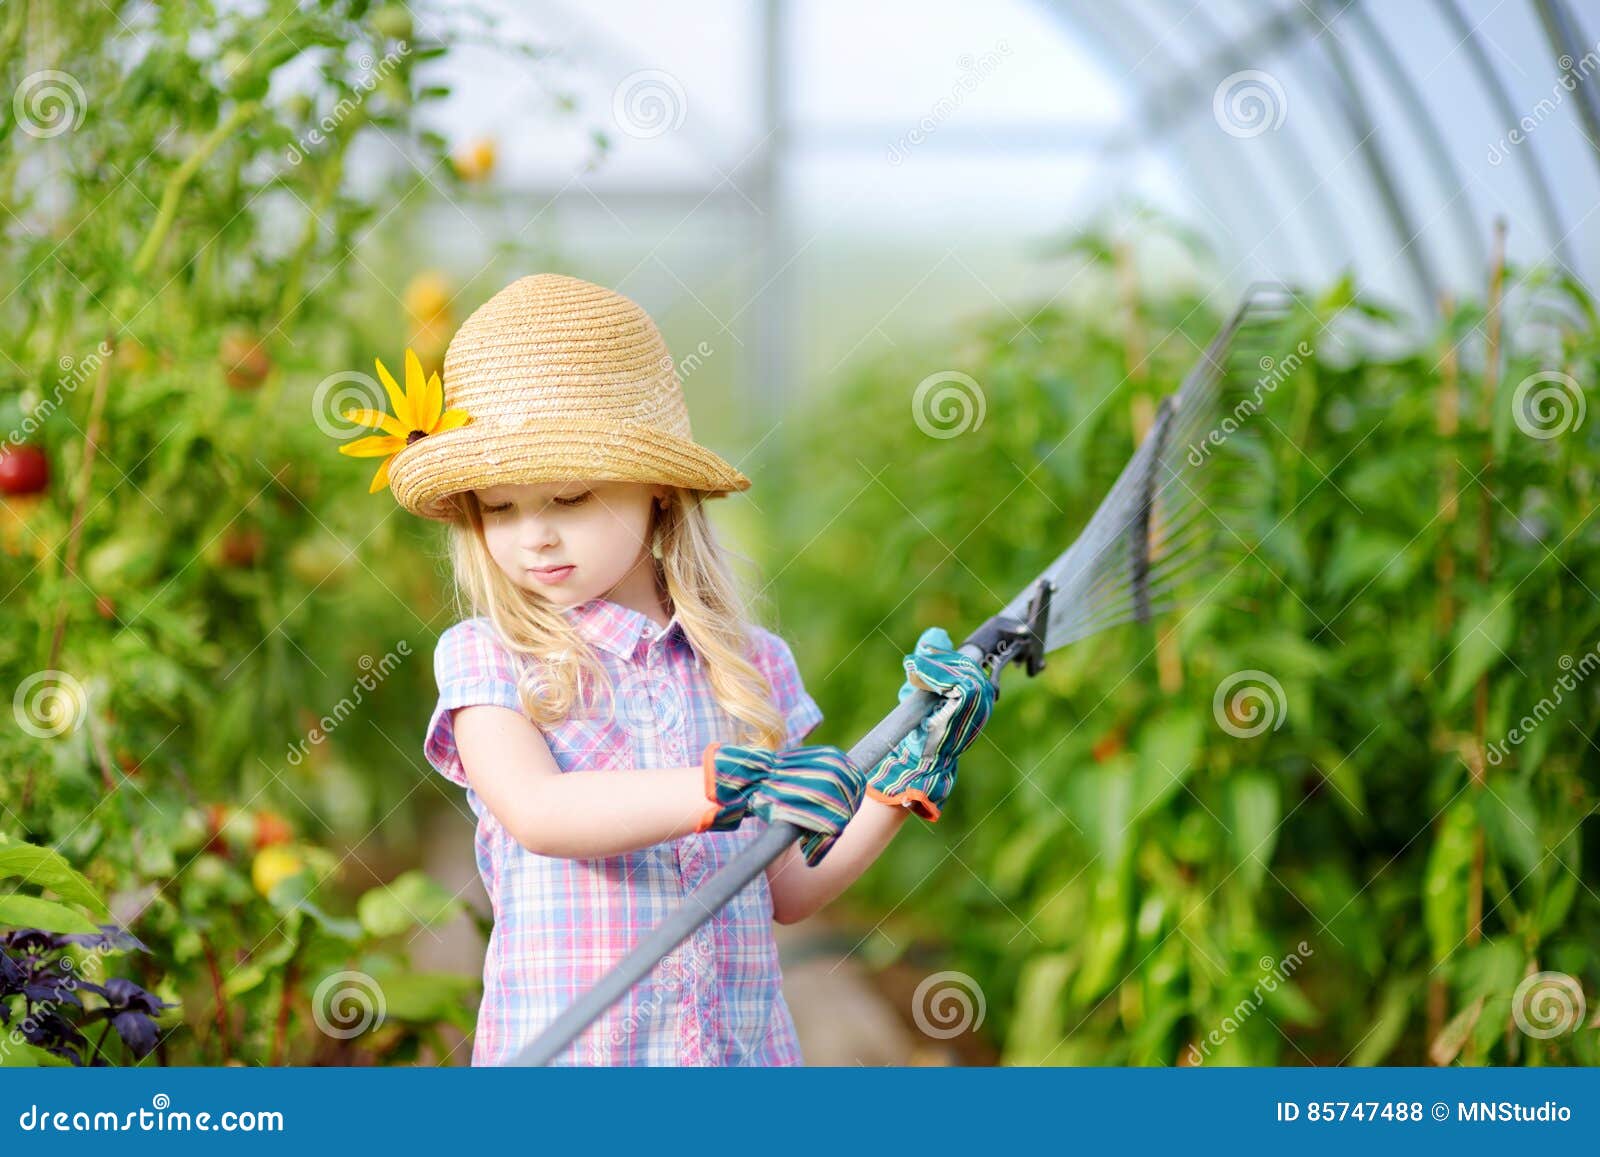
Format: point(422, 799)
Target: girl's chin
point(558, 596)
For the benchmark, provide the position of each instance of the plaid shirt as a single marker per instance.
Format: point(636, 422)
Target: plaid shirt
point(560, 924)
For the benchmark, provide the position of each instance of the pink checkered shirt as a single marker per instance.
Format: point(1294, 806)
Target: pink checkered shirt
point(560, 924)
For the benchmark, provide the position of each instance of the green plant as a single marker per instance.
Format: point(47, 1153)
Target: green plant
point(1134, 868)
point(184, 209)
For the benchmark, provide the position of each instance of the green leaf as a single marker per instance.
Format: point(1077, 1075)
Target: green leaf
point(49, 869)
point(1100, 800)
point(1481, 640)
point(411, 900)
point(1254, 808)
point(1511, 821)
point(18, 1054)
point(1039, 1009)
point(21, 911)
point(1107, 935)
point(1394, 1010)
point(242, 979)
point(425, 997)
point(1444, 889)
point(1447, 1044)
point(1167, 749)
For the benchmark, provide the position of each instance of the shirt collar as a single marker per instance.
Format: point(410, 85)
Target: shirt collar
point(619, 629)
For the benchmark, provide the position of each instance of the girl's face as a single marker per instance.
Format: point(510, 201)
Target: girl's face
point(570, 542)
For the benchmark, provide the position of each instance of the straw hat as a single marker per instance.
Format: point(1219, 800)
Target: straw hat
point(563, 381)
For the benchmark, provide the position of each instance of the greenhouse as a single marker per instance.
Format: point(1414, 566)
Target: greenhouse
point(515, 516)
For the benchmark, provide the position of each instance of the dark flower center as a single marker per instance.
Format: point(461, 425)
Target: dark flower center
point(414, 435)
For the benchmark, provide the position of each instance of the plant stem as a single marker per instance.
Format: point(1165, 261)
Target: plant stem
point(95, 1052)
point(91, 443)
point(179, 181)
point(328, 184)
point(221, 1000)
point(280, 1030)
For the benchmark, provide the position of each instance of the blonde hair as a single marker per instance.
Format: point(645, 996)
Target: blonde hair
point(692, 564)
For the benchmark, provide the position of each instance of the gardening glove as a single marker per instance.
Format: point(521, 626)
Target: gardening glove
point(817, 788)
point(921, 770)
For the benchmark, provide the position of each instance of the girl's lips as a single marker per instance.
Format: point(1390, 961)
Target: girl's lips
point(552, 575)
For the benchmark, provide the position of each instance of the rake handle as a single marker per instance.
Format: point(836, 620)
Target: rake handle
point(704, 902)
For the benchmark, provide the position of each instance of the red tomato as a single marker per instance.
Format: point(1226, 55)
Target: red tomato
point(23, 470)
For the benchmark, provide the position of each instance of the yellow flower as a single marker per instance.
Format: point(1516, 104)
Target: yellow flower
point(476, 161)
point(418, 412)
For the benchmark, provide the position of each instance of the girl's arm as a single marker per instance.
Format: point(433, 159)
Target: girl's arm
point(588, 814)
point(799, 890)
point(576, 814)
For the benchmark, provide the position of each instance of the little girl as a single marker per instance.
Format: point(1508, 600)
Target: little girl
point(621, 730)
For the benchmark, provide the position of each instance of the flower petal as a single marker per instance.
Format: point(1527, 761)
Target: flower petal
point(396, 398)
point(432, 404)
point(373, 447)
point(449, 420)
point(381, 478)
point(416, 389)
point(376, 418)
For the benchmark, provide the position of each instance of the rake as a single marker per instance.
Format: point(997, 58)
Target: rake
point(1154, 529)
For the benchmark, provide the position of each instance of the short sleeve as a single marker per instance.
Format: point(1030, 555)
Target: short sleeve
point(800, 710)
point(471, 667)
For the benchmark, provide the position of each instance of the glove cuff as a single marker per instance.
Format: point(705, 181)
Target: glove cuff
point(919, 802)
point(731, 774)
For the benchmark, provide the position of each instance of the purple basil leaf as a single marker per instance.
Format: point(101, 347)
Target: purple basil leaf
point(137, 1031)
point(122, 993)
point(110, 936)
point(30, 940)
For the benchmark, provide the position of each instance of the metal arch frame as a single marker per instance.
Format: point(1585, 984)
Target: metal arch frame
point(1233, 59)
point(1427, 130)
point(1163, 107)
point(1500, 99)
point(1273, 32)
point(1365, 133)
point(1093, 30)
point(1562, 31)
point(1254, 190)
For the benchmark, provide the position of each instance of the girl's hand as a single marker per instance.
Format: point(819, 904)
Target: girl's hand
point(817, 788)
point(921, 771)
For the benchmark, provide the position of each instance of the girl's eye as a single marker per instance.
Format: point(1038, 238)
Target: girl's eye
point(579, 500)
point(497, 509)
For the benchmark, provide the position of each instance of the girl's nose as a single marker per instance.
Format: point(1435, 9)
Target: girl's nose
point(540, 533)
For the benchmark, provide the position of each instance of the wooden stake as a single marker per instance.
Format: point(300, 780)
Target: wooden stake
point(1448, 423)
point(1480, 720)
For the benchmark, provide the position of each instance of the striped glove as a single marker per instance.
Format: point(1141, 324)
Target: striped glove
point(921, 770)
point(816, 788)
